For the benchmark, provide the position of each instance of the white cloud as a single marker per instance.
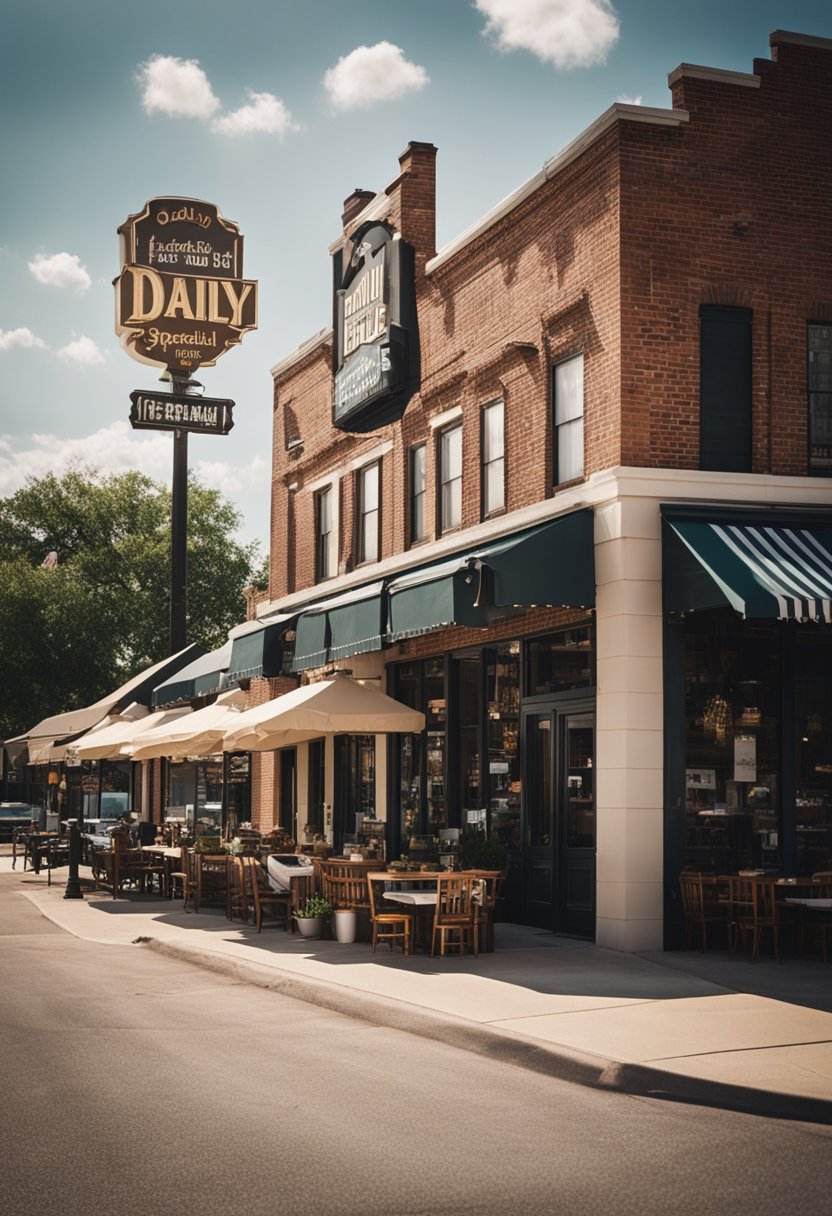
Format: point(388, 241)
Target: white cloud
point(370, 74)
point(60, 270)
point(117, 448)
point(9, 338)
point(566, 33)
point(630, 101)
point(264, 114)
point(176, 87)
point(83, 352)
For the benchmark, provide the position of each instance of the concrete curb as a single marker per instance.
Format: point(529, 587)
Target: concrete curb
point(552, 1060)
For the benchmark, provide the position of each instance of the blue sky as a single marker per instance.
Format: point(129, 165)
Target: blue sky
point(276, 110)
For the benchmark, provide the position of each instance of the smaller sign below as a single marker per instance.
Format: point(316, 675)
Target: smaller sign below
point(176, 412)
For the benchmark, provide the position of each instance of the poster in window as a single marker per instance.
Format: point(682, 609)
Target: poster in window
point(745, 758)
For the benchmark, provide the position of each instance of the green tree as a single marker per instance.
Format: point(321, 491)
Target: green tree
point(75, 626)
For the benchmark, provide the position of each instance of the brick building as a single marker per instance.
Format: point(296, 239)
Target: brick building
point(563, 485)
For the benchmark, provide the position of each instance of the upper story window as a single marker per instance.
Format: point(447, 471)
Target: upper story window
point(820, 398)
point(450, 478)
point(493, 459)
point(417, 482)
point(568, 393)
point(369, 513)
point(325, 537)
point(725, 388)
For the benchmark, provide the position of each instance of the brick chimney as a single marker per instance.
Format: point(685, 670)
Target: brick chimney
point(355, 204)
point(417, 200)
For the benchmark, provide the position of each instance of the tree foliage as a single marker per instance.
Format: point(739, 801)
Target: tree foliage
point(74, 629)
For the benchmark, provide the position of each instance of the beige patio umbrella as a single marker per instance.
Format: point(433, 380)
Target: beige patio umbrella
point(198, 734)
point(118, 740)
point(338, 705)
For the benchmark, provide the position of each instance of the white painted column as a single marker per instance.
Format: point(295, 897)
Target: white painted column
point(629, 724)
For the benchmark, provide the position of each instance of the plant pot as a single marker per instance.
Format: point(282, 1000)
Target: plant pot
point(309, 926)
point(345, 923)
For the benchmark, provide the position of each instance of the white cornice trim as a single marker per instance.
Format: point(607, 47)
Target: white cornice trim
point(320, 483)
point(599, 490)
point(305, 348)
point(776, 37)
point(372, 456)
point(696, 72)
point(444, 418)
point(618, 112)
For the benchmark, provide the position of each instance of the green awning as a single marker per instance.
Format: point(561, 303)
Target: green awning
point(548, 566)
point(257, 648)
point(773, 565)
point(434, 597)
point(356, 621)
point(311, 639)
point(198, 679)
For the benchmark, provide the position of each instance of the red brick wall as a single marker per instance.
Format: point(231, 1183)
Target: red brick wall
point(612, 256)
point(731, 208)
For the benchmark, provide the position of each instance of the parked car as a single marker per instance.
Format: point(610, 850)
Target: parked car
point(15, 815)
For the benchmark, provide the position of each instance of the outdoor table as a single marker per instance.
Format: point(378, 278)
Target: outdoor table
point(171, 858)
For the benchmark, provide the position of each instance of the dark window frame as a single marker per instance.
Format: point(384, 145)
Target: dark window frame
point(726, 357)
point(441, 526)
point(487, 461)
point(559, 428)
point(363, 553)
point(415, 494)
point(818, 462)
point(323, 540)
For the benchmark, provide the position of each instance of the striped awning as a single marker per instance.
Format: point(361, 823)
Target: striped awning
point(774, 567)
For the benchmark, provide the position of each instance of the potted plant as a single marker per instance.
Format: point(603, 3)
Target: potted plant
point(311, 914)
point(477, 851)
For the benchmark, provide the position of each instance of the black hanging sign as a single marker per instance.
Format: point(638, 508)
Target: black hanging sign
point(376, 351)
point(176, 412)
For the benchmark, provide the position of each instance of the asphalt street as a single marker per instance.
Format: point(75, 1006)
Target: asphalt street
point(137, 1083)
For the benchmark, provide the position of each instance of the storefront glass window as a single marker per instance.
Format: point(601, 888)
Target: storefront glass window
point(503, 727)
point(813, 726)
point(732, 745)
point(559, 662)
point(436, 715)
point(469, 734)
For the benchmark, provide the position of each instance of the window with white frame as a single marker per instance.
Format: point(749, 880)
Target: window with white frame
point(450, 478)
point(493, 458)
point(418, 483)
point(325, 533)
point(369, 513)
point(568, 392)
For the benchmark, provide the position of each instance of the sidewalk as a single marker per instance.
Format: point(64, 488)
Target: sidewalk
point(685, 1026)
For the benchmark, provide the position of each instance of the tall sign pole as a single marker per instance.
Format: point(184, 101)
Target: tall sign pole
point(181, 302)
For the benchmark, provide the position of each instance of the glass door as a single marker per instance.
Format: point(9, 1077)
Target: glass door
point(576, 910)
point(558, 815)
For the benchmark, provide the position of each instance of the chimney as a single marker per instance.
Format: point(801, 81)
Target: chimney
point(355, 204)
point(417, 184)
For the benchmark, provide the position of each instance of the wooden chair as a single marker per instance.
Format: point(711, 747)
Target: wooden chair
point(132, 867)
point(104, 870)
point(817, 925)
point(388, 926)
point(260, 898)
point(344, 884)
point(210, 884)
point(180, 879)
point(492, 881)
point(753, 914)
point(456, 919)
point(701, 908)
point(238, 904)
